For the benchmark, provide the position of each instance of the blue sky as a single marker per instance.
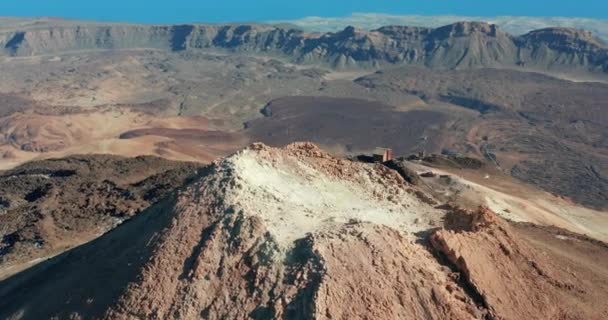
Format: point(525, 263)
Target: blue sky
point(174, 11)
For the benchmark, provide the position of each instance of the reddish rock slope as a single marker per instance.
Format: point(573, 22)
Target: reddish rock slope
point(297, 234)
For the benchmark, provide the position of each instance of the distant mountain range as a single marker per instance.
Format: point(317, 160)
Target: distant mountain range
point(455, 46)
point(516, 25)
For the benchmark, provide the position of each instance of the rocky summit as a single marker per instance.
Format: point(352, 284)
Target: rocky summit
point(296, 233)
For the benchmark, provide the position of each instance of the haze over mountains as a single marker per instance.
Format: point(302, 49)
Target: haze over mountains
point(515, 25)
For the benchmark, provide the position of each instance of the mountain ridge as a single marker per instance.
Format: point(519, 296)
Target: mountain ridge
point(458, 45)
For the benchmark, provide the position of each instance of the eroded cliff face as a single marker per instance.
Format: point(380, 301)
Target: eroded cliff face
point(460, 45)
point(511, 277)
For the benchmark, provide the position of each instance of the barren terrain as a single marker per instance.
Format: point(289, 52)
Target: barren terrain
point(197, 106)
point(502, 165)
point(390, 255)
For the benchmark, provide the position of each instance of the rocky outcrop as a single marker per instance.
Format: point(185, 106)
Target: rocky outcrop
point(460, 45)
point(394, 279)
point(401, 166)
point(524, 283)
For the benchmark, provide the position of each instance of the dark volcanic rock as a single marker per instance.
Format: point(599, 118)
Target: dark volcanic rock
point(401, 167)
point(546, 131)
point(454, 161)
point(50, 205)
point(321, 120)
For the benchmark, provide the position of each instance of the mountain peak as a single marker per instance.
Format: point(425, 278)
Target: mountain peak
point(350, 31)
point(281, 186)
point(467, 28)
point(564, 37)
point(295, 233)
